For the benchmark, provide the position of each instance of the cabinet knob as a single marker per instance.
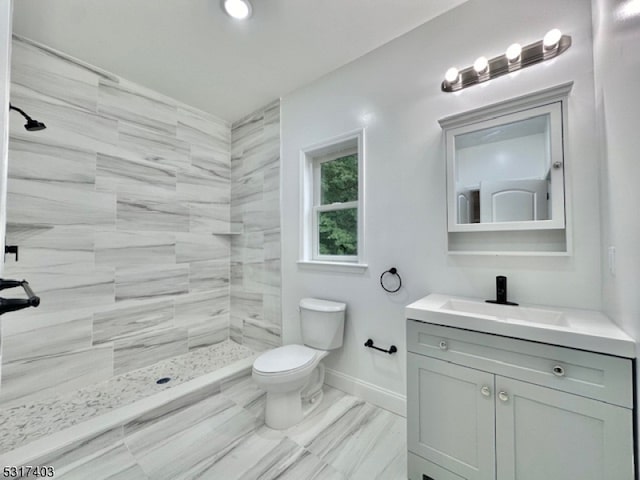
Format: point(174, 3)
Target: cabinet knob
point(557, 165)
point(485, 391)
point(558, 370)
point(503, 396)
point(443, 345)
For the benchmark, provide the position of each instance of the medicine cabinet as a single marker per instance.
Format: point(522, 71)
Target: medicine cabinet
point(505, 164)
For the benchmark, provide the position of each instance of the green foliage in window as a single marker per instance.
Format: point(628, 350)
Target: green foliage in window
point(339, 179)
point(339, 232)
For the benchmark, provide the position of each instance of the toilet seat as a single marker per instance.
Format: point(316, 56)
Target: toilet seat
point(284, 360)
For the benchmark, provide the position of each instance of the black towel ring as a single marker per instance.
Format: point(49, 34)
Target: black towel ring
point(392, 271)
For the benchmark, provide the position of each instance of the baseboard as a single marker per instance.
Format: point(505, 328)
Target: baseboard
point(381, 397)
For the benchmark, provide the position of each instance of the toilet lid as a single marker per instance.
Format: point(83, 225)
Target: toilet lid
point(283, 359)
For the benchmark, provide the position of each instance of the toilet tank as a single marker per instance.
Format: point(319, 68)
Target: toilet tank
point(322, 323)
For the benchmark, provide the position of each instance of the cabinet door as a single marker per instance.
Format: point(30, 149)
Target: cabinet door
point(450, 421)
point(543, 433)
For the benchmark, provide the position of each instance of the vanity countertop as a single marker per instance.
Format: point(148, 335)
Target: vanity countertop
point(580, 329)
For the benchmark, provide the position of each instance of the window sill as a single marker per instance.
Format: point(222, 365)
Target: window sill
point(333, 266)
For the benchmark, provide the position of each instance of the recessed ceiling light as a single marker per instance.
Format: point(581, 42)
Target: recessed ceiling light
point(238, 9)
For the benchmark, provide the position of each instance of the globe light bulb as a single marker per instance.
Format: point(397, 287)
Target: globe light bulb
point(552, 39)
point(513, 52)
point(452, 75)
point(481, 65)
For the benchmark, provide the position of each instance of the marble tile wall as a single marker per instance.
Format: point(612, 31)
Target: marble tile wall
point(255, 212)
point(121, 210)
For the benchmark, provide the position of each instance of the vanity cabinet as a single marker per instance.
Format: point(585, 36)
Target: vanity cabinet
point(485, 407)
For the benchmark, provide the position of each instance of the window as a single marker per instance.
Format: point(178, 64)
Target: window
point(332, 207)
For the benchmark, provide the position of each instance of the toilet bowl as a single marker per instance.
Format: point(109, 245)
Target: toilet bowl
point(293, 374)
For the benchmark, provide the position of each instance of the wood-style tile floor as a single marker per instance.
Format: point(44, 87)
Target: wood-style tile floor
point(224, 437)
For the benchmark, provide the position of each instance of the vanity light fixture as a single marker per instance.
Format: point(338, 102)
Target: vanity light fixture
point(516, 57)
point(238, 9)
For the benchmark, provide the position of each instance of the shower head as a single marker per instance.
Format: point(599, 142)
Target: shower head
point(31, 125)
point(34, 125)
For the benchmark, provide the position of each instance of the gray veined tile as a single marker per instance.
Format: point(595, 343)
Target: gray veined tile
point(189, 443)
point(68, 286)
point(246, 305)
point(152, 146)
point(209, 218)
point(151, 281)
point(119, 322)
point(114, 171)
point(194, 186)
point(78, 452)
point(36, 159)
point(128, 248)
point(246, 133)
point(362, 442)
point(253, 216)
point(216, 331)
point(137, 351)
point(192, 247)
point(246, 393)
point(66, 124)
point(51, 247)
point(112, 463)
point(51, 204)
point(128, 102)
point(53, 75)
point(257, 456)
point(202, 308)
point(33, 337)
point(52, 374)
point(260, 335)
point(150, 209)
point(201, 128)
point(208, 275)
point(211, 161)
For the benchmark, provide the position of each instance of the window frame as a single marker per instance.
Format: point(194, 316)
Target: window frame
point(312, 159)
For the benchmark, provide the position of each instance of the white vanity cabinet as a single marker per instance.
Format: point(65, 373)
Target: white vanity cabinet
point(486, 407)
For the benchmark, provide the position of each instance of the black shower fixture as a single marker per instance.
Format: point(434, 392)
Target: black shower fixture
point(31, 125)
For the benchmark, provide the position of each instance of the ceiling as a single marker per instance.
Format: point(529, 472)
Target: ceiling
point(192, 51)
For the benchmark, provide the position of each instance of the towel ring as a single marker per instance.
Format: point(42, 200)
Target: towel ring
point(391, 271)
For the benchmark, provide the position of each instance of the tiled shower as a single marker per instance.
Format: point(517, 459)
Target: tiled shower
point(147, 227)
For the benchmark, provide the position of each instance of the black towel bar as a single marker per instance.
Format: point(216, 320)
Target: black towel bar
point(12, 304)
point(392, 348)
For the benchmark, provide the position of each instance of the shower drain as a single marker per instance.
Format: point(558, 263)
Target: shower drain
point(163, 380)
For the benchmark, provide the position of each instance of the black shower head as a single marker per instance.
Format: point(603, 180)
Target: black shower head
point(34, 125)
point(31, 125)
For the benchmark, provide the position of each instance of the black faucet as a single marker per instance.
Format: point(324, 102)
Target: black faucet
point(501, 292)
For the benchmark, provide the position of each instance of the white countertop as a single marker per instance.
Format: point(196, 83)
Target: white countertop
point(584, 329)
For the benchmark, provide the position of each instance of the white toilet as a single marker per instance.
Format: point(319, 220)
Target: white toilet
point(293, 373)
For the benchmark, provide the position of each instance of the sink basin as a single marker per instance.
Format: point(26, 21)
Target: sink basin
point(506, 313)
point(566, 327)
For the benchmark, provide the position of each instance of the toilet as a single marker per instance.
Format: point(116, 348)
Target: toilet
point(293, 373)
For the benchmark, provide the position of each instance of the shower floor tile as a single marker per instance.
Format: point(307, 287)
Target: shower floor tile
point(25, 423)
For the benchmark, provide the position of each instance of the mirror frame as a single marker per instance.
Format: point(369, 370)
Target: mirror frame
point(550, 101)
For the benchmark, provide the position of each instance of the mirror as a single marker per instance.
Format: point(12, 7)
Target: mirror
point(506, 173)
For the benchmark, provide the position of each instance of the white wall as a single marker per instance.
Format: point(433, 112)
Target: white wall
point(617, 68)
point(394, 92)
point(5, 75)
